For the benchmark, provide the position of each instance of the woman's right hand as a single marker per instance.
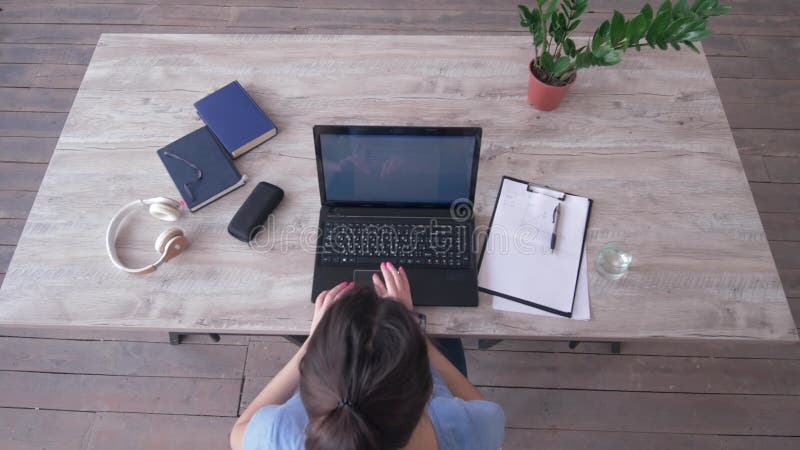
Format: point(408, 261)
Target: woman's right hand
point(394, 285)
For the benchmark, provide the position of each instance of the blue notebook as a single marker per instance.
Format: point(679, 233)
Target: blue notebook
point(235, 119)
point(200, 168)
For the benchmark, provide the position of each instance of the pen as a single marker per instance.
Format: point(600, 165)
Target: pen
point(556, 210)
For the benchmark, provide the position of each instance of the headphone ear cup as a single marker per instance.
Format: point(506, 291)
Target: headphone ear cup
point(165, 237)
point(165, 211)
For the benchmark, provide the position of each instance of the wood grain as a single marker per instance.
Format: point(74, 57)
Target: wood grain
point(753, 67)
point(767, 142)
point(120, 334)
point(754, 168)
point(122, 358)
point(612, 440)
point(10, 229)
point(130, 431)
point(26, 149)
point(786, 253)
point(46, 53)
point(31, 124)
point(36, 100)
point(21, 176)
point(791, 282)
point(777, 197)
point(653, 373)
point(762, 115)
point(469, 81)
point(648, 412)
point(6, 251)
point(119, 393)
point(59, 76)
point(714, 349)
point(31, 429)
point(783, 169)
point(782, 226)
point(15, 204)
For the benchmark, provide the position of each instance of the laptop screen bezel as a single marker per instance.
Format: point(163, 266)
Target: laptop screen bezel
point(319, 130)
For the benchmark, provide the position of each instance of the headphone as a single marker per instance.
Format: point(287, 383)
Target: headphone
point(169, 243)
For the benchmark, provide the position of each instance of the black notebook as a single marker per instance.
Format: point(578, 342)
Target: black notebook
point(200, 168)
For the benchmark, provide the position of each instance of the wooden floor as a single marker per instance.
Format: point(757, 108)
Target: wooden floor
point(79, 390)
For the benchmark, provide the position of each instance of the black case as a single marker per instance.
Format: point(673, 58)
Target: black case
point(255, 210)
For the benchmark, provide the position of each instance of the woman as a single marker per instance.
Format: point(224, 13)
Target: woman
point(368, 378)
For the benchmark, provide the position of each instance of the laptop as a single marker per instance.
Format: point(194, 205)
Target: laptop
point(399, 194)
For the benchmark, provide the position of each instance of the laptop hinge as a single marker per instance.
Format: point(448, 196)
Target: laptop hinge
point(371, 211)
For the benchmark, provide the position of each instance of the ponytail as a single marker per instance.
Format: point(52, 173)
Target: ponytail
point(365, 378)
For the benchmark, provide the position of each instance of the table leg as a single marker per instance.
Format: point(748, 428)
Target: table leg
point(175, 338)
point(616, 347)
point(486, 344)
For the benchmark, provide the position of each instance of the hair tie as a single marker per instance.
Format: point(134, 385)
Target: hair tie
point(342, 403)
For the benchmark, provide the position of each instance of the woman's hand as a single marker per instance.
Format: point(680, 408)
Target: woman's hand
point(327, 298)
point(394, 285)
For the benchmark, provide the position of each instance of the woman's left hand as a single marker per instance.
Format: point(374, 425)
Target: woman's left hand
point(327, 298)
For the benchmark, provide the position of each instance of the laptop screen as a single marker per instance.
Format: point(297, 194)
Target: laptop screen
point(397, 169)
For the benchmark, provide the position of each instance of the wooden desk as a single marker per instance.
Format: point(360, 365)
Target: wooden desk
point(647, 140)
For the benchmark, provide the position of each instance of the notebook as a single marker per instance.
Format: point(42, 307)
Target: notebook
point(200, 168)
point(235, 119)
point(516, 262)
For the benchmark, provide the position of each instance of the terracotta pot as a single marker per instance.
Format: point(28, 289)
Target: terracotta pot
point(545, 97)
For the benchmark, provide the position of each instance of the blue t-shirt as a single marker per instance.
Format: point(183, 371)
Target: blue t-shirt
point(459, 424)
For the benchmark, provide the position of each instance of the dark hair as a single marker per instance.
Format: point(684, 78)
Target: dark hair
point(371, 354)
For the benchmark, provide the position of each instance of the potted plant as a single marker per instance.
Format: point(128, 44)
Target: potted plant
point(557, 58)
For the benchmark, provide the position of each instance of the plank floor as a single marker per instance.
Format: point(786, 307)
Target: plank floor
point(132, 390)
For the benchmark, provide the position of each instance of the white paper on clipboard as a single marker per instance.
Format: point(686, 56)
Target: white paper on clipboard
point(517, 263)
point(580, 310)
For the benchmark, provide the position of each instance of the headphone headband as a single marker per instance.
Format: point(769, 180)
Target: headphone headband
point(161, 208)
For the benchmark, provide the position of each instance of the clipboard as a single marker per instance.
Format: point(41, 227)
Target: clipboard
point(516, 262)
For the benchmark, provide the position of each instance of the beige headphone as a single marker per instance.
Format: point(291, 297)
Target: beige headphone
point(169, 244)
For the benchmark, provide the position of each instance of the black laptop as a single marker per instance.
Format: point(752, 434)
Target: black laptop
point(399, 194)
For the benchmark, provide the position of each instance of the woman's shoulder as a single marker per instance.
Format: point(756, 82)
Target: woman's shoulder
point(467, 424)
point(277, 426)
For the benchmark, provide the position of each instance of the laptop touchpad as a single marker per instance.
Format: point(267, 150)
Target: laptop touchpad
point(364, 277)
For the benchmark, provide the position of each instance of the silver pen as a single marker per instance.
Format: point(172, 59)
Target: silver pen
point(556, 210)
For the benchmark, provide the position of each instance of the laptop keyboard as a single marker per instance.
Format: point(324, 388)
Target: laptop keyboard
point(420, 245)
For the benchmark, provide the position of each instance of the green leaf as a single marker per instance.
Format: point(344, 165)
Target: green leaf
point(551, 8)
point(569, 47)
point(698, 35)
point(580, 8)
point(546, 62)
point(611, 58)
point(666, 7)
point(657, 27)
point(600, 35)
point(680, 8)
point(524, 14)
point(691, 46)
point(678, 28)
point(574, 25)
point(701, 5)
point(647, 12)
point(583, 60)
point(601, 51)
point(535, 27)
point(540, 3)
point(617, 27)
point(637, 27)
point(719, 10)
point(561, 64)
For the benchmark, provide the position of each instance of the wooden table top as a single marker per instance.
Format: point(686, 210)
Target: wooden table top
point(647, 140)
